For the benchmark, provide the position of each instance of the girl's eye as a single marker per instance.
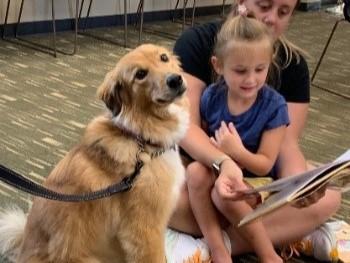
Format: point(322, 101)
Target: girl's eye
point(264, 6)
point(141, 74)
point(240, 71)
point(283, 12)
point(259, 69)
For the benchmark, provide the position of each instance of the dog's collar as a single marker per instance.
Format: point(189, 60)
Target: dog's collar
point(143, 142)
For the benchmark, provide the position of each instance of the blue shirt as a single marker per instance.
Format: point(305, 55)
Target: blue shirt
point(269, 111)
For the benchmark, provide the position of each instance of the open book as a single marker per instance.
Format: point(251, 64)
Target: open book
point(293, 188)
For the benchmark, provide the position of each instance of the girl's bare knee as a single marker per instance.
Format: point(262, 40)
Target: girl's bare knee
point(327, 206)
point(198, 176)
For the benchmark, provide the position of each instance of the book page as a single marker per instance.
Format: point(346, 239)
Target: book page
point(323, 179)
point(288, 189)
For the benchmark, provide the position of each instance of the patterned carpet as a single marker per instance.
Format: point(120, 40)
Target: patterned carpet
point(46, 102)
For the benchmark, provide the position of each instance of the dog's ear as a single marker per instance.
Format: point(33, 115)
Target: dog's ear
point(109, 93)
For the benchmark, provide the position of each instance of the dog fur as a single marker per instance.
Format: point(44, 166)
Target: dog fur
point(144, 98)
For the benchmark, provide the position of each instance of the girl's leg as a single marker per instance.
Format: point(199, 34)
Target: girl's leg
point(254, 233)
point(289, 224)
point(283, 226)
point(200, 182)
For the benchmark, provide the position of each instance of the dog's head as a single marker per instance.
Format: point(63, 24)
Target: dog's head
point(145, 94)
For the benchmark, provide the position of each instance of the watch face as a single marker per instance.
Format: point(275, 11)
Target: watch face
point(216, 168)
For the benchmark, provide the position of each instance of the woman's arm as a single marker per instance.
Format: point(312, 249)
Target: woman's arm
point(291, 159)
point(196, 142)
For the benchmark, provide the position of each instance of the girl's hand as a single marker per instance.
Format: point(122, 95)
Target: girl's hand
point(228, 140)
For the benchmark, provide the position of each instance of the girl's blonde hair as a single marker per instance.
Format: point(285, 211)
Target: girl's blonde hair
point(241, 28)
point(244, 29)
point(291, 50)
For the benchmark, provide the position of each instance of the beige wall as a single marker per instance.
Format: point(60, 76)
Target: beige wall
point(40, 10)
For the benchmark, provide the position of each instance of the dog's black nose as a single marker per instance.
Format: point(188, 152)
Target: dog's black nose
point(174, 81)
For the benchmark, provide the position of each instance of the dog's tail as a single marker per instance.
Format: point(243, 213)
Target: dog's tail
point(12, 223)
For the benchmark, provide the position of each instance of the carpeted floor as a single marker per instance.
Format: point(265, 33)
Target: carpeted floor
point(46, 102)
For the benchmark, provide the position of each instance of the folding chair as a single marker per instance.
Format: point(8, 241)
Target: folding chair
point(38, 46)
point(83, 32)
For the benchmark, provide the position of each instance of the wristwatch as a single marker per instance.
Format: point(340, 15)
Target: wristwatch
point(216, 165)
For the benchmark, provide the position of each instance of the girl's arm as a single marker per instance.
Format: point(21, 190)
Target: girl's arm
point(260, 163)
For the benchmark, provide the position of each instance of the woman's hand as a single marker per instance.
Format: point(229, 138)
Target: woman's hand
point(229, 181)
point(311, 198)
point(228, 140)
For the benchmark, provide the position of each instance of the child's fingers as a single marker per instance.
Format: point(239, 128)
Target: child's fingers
point(217, 135)
point(232, 128)
point(224, 127)
point(213, 141)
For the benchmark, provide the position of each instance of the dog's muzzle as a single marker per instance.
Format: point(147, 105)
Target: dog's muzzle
point(176, 84)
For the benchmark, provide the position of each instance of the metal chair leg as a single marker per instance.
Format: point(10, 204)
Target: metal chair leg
point(96, 36)
point(193, 12)
point(320, 61)
point(141, 20)
point(53, 28)
point(19, 18)
point(6, 17)
point(325, 49)
point(223, 8)
point(54, 48)
point(125, 24)
point(184, 15)
point(76, 26)
point(87, 14)
point(174, 10)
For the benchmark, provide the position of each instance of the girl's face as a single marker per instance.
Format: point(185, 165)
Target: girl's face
point(274, 13)
point(245, 68)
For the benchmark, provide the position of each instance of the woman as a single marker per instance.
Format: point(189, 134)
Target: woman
point(194, 47)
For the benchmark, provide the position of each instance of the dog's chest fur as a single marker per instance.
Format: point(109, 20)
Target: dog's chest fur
point(160, 180)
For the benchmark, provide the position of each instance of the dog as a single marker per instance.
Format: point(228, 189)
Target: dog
point(146, 117)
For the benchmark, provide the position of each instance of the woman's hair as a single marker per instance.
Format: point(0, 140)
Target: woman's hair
point(241, 29)
point(291, 50)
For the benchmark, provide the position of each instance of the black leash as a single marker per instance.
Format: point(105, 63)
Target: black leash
point(20, 182)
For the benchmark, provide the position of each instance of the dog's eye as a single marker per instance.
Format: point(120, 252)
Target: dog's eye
point(141, 74)
point(164, 58)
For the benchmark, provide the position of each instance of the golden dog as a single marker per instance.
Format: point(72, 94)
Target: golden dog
point(147, 116)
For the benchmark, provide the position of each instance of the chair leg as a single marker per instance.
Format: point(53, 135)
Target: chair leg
point(40, 47)
point(19, 18)
point(175, 8)
point(325, 49)
point(80, 10)
point(184, 15)
point(223, 8)
point(193, 12)
point(76, 26)
point(6, 17)
point(141, 21)
point(320, 61)
point(125, 24)
point(53, 28)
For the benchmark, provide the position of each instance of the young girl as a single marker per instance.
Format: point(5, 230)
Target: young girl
point(291, 223)
point(247, 120)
